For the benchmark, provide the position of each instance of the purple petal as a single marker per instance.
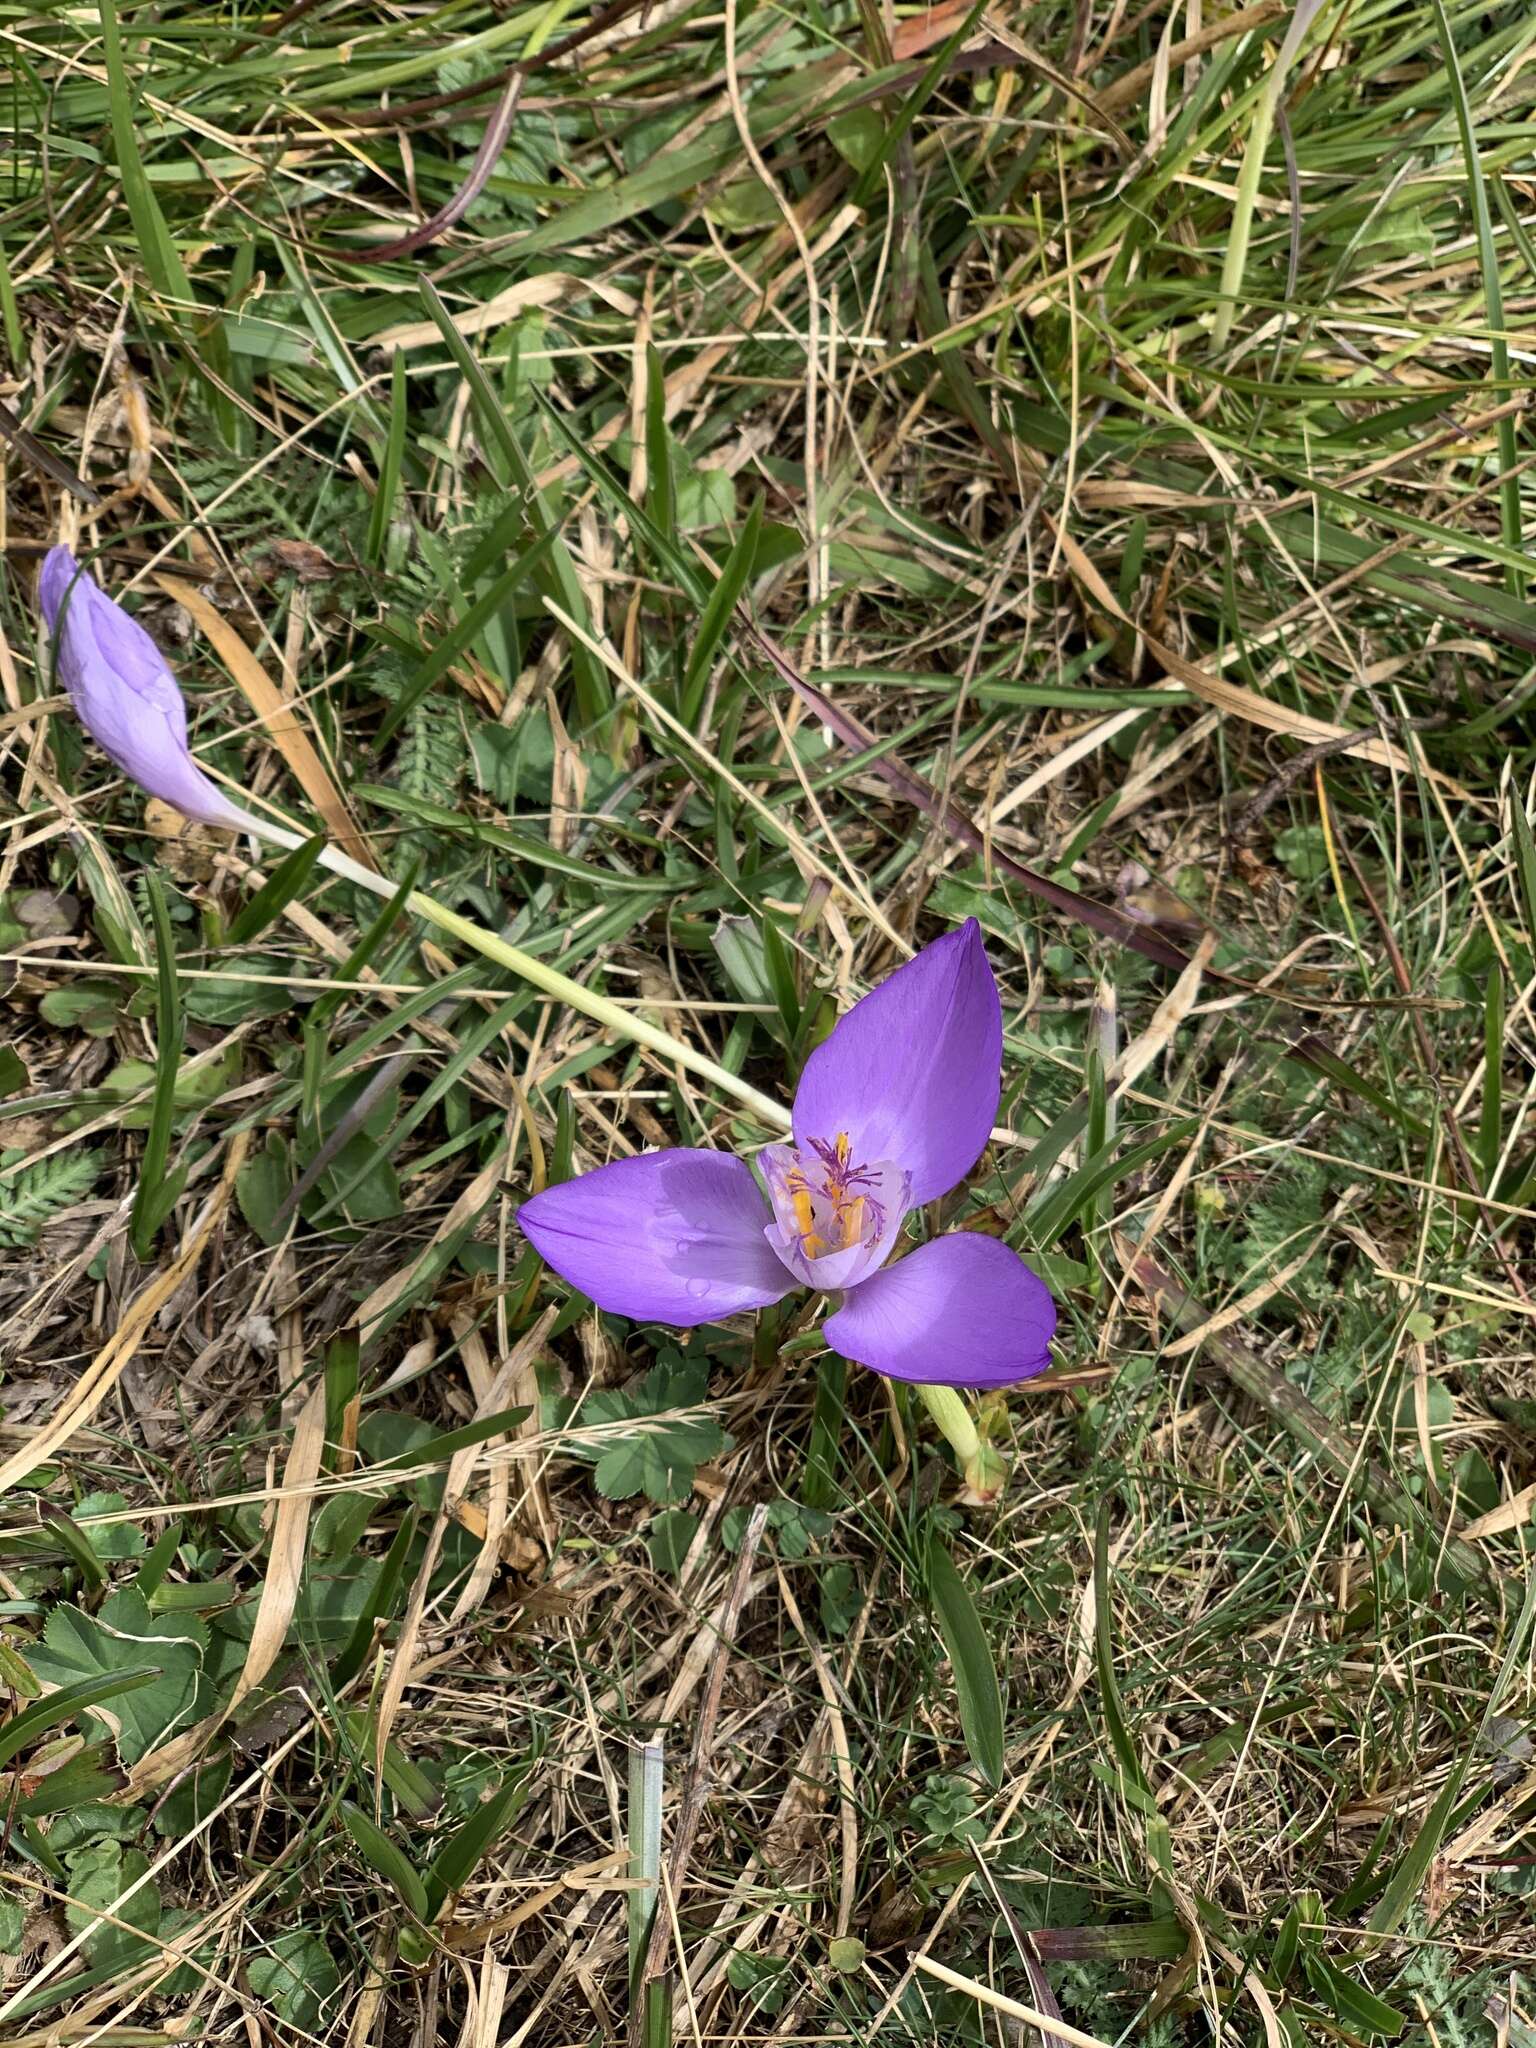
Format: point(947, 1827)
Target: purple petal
point(123, 693)
point(912, 1072)
point(668, 1237)
point(961, 1311)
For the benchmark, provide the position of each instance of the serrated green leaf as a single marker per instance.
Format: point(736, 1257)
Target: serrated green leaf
point(99, 1874)
point(125, 1637)
point(660, 1456)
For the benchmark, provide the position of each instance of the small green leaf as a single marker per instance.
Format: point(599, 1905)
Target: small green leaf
point(670, 1537)
point(94, 1007)
point(263, 1184)
point(115, 1541)
point(31, 1196)
point(196, 1087)
point(706, 498)
point(659, 1456)
point(296, 1980)
point(857, 136)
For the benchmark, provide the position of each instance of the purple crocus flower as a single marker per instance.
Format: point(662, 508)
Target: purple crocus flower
point(892, 1110)
point(123, 693)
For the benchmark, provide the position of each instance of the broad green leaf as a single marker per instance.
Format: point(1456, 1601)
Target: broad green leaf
point(978, 1695)
point(387, 1858)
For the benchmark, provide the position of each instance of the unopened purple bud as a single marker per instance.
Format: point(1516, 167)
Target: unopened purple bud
point(123, 693)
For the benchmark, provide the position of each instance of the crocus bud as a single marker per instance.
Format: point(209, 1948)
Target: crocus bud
point(123, 693)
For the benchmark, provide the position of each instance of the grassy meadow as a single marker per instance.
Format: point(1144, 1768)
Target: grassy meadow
point(716, 496)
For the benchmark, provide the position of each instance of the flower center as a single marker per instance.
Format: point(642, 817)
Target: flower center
point(835, 1202)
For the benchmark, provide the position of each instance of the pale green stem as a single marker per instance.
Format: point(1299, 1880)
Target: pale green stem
point(549, 979)
point(1253, 170)
point(955, 1421)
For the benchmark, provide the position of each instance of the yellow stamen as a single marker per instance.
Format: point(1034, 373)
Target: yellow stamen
point(852, 1218)
point(805, 1218)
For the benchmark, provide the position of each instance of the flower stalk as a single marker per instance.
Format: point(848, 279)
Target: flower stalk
point(549, 979)
point(982, 1465)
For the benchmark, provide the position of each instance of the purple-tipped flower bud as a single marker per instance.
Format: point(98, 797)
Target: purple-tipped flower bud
point(123, 693)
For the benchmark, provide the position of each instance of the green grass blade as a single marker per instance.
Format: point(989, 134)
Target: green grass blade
point(660, 485)
point(382, 511)
point(380, 1604)
point(1490, 1126)
point(716, 620)
point(1511, 518)
point(158, 1190)
point(280, 888)
point(1408, 1879)
point(23, 1729)
point(556, 571)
